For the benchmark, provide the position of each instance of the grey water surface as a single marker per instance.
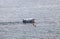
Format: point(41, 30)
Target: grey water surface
point(46, 13)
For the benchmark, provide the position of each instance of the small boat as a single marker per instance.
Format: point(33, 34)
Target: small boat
point(29, 20)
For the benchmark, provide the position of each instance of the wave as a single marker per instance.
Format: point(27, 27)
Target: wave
point(9, 23)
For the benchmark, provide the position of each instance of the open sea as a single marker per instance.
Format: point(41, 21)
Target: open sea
point(45, 12)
